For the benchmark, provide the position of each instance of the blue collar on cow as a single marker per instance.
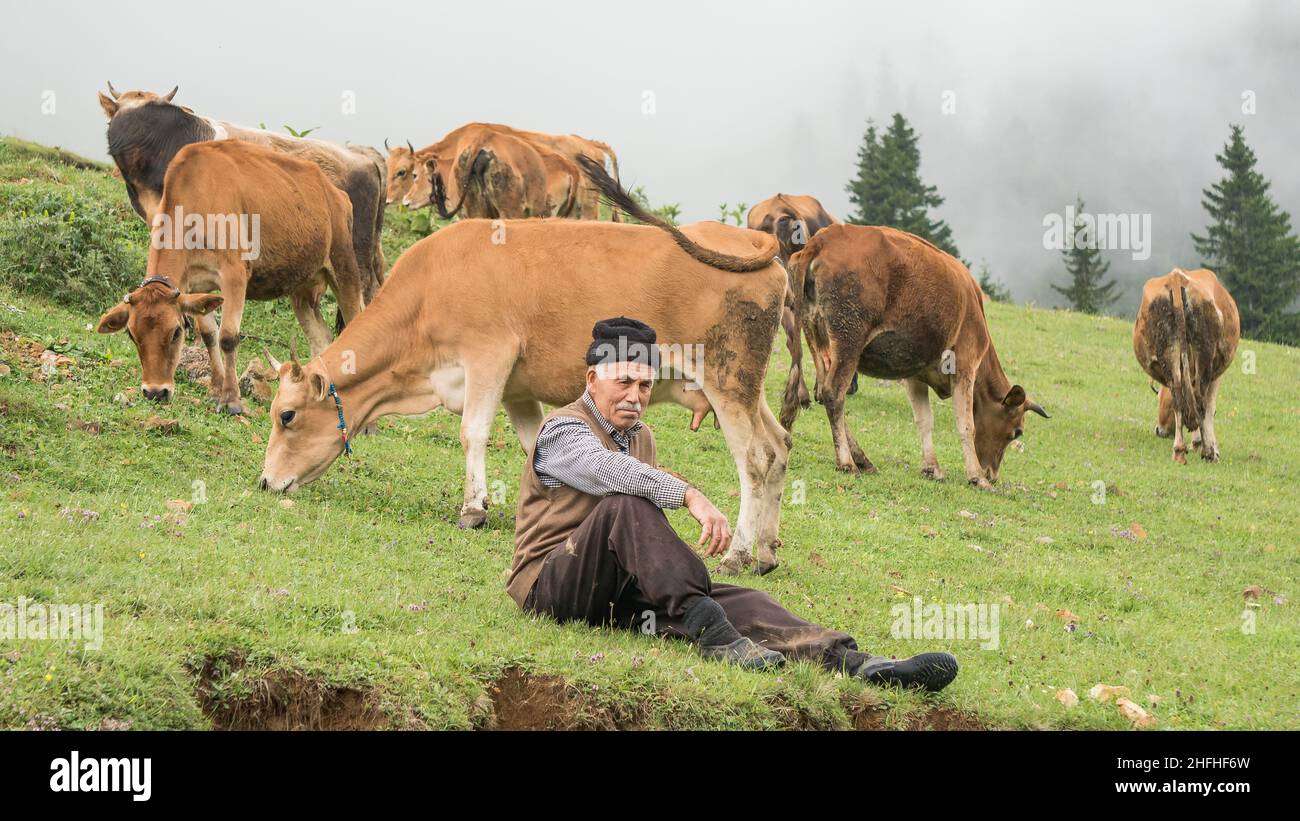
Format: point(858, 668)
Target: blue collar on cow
point(338, 406)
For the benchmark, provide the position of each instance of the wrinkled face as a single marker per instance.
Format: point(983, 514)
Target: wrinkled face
point(423, 178)
point(305, 439)
point(401, 164)
point(621, 391)
point(154, 319)
point(997, 425)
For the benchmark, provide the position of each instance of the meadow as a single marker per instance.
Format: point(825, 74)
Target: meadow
point(356, 603)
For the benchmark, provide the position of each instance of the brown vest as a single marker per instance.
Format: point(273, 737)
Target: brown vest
point(546, 516)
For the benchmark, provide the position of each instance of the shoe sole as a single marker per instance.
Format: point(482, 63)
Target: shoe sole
point(932, 671)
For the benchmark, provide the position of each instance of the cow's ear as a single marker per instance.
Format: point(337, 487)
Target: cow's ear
point(318, 386)
point(108, 104)
point(200, 304)
point(1015, 397)
point(114, 319)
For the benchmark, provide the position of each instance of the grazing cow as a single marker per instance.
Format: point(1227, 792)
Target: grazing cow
point(888, 304)
point(495, 176)
point(146, 130)
point(469, 324)
point(1185, 336)
point(793, 219)
point(303, 243)
point(568, 146)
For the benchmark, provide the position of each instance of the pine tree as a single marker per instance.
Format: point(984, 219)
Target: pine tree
point(1088, 291)
point(1250, 246)
point(888, 189)
point(993, 287)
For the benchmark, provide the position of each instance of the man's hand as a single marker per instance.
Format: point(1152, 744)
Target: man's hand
point(713, 524)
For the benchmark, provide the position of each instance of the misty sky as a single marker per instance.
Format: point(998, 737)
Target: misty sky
point(1123, 102)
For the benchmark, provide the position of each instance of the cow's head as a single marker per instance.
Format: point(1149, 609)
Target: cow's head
point(998, 424)
point(305, 438)
point(426, 183)
point(154, 317)
point(113, 102)
point(401, 165)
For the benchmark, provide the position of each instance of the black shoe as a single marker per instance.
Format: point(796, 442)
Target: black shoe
point(706, 623)
point(931, 671)
point(744, 653)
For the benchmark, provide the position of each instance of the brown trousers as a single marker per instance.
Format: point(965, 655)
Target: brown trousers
point(626, 566)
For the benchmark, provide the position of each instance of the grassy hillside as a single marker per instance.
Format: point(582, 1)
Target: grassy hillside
point(359, 604)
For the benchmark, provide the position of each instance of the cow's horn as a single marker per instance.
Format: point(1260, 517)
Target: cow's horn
point(386, 148)
point(275, 363)
point(171, 94)
point(112, 90)
point(1037, 408)
point(408, 145)
point(127, 299)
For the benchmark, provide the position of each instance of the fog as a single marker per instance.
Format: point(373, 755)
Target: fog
point(706, 103)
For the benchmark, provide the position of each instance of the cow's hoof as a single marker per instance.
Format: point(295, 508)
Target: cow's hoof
point(767, 567)
point(371, 429)
point(805, 402)
point(731, 566)
point(232, 408)
point(849, 468)
point(471, 519)
point(1162, 433)
point(1210, 454)
point(1180, 457)
point(932, 472)
point(981, 483)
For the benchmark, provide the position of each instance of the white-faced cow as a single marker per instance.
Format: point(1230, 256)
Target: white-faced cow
point(1185, 336)
point(470, 324)
point(216, 196)
point(888, 304)
point(145, 130)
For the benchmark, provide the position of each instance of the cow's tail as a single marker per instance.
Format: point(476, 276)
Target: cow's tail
point(477, 171)
point(1183, 364)
point(616, 196)
point(796, 391)
point(613, 162)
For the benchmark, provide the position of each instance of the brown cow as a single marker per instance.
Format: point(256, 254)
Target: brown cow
point(1185, 336)
point(495, 176)
point(888, 304)
point(470, 324)
point(306, 246)
point(146, 130)
point(568, 146)
point(793, 219)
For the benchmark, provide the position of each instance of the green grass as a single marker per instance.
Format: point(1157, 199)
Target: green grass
point(365, 584)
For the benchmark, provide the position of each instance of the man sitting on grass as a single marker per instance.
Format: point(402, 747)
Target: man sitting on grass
point(592, 543)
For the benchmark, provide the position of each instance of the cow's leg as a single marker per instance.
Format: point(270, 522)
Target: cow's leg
point(348, 281)
point(207, 326)
point(963, 406)
point(306, 306)
point(923, 416)
point(526, 418)
point(1180, 446)
point(1210, 442)
point(232, 315)
point(848, 456)
point(484, 385)
point(796, 390)
point(739, 426)
point(1165, 413)
point(773, 487)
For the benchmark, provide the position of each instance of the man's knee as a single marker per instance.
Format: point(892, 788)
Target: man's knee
point(624, 501)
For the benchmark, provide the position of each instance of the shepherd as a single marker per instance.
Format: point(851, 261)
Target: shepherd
point(592, 543)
